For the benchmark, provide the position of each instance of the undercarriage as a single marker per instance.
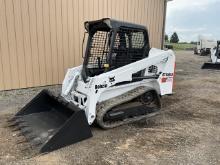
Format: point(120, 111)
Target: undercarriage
point(140, 103)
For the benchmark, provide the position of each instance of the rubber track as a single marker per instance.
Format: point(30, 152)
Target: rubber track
point(105, 106)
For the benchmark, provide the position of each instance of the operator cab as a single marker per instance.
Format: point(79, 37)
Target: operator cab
point(113, 44)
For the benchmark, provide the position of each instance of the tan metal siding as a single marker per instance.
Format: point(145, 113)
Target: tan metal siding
point(40, 39)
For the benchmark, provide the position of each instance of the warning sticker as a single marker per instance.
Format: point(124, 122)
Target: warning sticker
point(167, 77)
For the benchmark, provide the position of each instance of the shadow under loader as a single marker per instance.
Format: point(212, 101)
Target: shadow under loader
point(209, 65)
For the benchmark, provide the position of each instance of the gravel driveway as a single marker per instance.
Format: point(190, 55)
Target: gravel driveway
point(187, 131)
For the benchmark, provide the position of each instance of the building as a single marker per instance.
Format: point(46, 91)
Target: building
point(40, 39)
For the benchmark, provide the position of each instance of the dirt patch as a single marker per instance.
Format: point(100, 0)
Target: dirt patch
point(186, 132)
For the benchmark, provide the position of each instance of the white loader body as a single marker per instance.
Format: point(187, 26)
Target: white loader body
point(103, 87)
point(214, 57)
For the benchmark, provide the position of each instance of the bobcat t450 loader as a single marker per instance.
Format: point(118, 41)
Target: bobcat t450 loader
point(215, 59)
point(120, 81)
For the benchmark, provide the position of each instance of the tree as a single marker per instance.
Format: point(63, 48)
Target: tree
point(174, 38)
point(193, 42)
point(166, 38)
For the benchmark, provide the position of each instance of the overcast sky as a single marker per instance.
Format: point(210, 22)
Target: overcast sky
point(190, 18)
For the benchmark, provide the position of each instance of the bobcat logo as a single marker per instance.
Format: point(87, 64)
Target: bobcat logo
point(111, 79)
point(100, 86)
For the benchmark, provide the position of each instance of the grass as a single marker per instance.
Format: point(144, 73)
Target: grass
point(182, 46)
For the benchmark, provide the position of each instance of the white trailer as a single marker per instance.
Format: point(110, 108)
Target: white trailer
point(204, 45)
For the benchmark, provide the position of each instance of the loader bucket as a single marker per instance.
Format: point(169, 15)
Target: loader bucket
point(215, 66)
point(49, 123)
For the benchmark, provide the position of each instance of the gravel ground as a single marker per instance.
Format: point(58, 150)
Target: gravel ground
point(187, 131)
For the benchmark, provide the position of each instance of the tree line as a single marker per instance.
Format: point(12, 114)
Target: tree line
point(174, 38)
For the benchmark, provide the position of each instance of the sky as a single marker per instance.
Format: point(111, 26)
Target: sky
point(191, 18)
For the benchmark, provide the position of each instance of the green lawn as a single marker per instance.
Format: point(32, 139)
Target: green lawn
point(182, 46)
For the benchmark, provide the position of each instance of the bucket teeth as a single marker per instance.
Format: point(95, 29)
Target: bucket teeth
point(15, 122)
point(15, 129)
point(22, 125)
point(25, 130)
point(11, 120)
point(22, 141)
point(11, 125)
point(36, 141)
point(30, 136)
point(20, 120)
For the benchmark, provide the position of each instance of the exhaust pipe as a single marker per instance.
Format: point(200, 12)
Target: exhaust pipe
point(50, 123)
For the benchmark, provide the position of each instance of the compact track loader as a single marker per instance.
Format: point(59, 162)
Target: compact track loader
point(120, 81)
point(215, 59)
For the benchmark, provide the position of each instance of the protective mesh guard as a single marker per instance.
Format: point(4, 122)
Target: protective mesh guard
point(99, 49)
point(128, 47)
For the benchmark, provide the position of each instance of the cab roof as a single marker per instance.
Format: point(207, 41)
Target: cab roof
point(107, 24)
